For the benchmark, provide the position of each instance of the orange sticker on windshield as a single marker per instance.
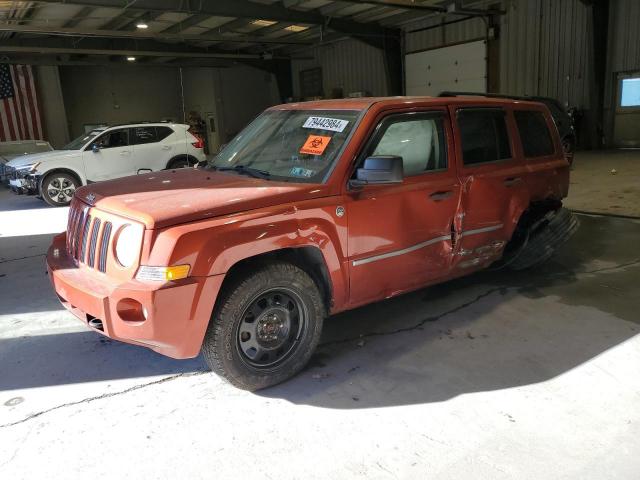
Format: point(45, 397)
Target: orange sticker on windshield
point(315, 145)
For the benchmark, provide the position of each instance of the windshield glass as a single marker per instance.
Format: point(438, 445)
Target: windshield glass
point(291, 145)
point(81, 141)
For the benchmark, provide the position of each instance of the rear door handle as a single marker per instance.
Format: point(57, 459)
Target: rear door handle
point(124, 153)
point(166, 147)
point(508, 182)
point(442, 195)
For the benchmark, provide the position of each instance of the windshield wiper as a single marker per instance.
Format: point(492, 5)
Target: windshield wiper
point(243, 169)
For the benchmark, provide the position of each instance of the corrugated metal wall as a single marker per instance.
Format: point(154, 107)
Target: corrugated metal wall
point(350, 64)
point(544, 47)
point(623, 52)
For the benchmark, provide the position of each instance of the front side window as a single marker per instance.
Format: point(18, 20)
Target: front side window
point(418, 138)
point(113, 139)
point(483, 133)
point(290, 145)
point(142, 135)
point(534, 133)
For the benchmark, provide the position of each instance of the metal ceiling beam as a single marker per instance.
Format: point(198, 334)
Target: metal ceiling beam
point(120, 47)
point(369, 33)
point(4, 48)
point(411, 5)
point(147, 17)
point(186, 23)
point(141, 34)
point(60, 60)
point(78, 17)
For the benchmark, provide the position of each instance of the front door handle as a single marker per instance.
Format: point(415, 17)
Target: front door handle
point(441, 195)
point(509, 182)
point(124, 153)
point(166, 147)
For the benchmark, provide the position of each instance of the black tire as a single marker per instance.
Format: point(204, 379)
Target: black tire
point(544, 240)
point(58, 188)
point(251, 313)
point(180, 162)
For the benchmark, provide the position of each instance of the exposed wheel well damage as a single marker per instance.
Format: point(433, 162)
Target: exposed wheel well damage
point(308, 258)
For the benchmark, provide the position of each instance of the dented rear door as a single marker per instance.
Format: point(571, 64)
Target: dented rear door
point(492, 175)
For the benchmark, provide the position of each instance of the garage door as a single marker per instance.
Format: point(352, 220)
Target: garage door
point(461, 67)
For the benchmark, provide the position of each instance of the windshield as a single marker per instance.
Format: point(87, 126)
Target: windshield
point(82, 140)
point(290, 145)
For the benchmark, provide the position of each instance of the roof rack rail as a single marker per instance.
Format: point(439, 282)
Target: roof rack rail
point(448, 93)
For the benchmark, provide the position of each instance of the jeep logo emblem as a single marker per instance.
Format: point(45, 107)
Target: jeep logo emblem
point(90, 198)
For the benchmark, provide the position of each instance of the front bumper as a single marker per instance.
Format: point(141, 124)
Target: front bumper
point(27, 184)
point(177, 313)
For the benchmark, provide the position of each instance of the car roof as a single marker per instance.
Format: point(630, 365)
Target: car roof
point(143, 124)
point(365, 103)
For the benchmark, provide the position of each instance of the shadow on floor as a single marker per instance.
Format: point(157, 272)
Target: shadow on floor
point(85, 356)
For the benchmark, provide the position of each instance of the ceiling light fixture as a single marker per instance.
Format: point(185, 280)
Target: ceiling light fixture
point(142, 25)
point(131, 59)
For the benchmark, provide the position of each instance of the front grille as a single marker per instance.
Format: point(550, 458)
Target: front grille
point(88, 237)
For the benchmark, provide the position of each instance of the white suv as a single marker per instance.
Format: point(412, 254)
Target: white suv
point(103, 154)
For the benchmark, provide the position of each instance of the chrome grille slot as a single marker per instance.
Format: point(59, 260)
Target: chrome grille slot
point(92, 245)
point(104, 247)
point(77, 231)
point(73, 215)
point(85, 235)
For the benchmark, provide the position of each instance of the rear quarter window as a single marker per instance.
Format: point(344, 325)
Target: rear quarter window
point(163, 132)
point(534, 133)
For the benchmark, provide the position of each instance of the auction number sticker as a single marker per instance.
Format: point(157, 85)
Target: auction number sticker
point(315, 145)
point(324, 123)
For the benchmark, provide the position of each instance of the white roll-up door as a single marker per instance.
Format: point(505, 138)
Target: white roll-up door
point(461, 67)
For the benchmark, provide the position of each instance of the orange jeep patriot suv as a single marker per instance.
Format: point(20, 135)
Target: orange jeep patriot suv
point(313, 209)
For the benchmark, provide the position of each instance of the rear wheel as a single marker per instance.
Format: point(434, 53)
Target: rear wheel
point(541, 240)
point(57, 188)
point(265, 328)
point(180, 162)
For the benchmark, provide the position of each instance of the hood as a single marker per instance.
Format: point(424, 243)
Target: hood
point(23, 160)
point(185, 195)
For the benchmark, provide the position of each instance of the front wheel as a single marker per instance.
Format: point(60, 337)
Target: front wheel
point(265, 328)
point(57, 189)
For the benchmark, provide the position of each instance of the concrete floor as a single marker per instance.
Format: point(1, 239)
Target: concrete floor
point(606, 182)
point(495, 376)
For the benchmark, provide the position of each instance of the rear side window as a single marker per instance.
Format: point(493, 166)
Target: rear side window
point(163, 132)
point(418, 139)
point(141, 135)
point(484, 135)
point(534, 133)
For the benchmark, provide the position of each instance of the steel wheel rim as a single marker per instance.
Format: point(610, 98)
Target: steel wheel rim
point(61, 189)
point(270, 328)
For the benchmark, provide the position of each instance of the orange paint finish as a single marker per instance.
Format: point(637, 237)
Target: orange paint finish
point(387, 239)
point(177, 313)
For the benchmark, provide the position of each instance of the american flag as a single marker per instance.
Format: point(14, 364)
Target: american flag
point(19, 110)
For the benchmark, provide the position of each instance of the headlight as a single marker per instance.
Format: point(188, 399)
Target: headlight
point(26, 169)
point(128, 245)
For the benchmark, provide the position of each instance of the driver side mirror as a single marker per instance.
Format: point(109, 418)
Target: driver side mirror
point(379, 170)
point(95, 148)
